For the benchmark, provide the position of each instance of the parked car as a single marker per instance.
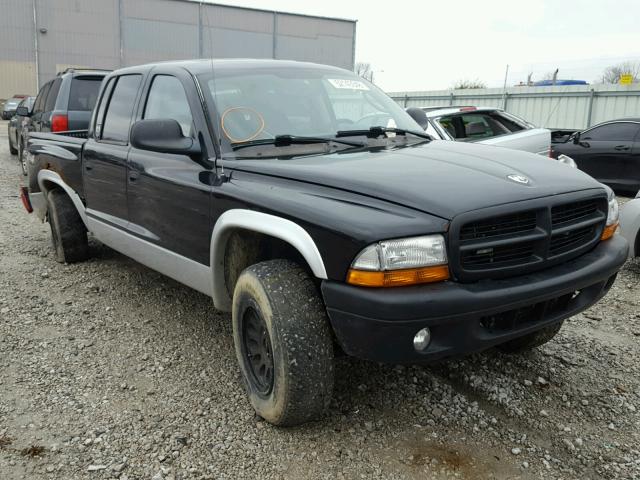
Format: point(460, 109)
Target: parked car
point(9, 108)
point(609, 152)
point(63, 104)
point(309, 204)
point(630, 225)
point(489, 126)
point(16, 124)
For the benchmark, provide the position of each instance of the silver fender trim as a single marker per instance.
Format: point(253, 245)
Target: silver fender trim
point(50, 176)
point(278, 227)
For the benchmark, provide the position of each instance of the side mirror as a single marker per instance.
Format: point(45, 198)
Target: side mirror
point(419, 116)
point(23, 112)
point(576, 138)
point(162, 135)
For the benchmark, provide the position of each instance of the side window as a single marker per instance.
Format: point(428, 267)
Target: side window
point(167, 99)
point(52, 96)
point(101, 108)
point(613, 132)
point(118, 117)
point(40, 99)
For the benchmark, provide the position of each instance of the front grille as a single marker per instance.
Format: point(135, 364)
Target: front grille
point(496, 256)
point(498, 242)
point(505, 225)
point(573, 212)
point(573, 238)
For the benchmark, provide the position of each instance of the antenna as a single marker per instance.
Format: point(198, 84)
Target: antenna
point(216, 131)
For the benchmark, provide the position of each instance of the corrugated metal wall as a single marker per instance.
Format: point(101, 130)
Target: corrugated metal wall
point(39, 38)
point(17, 54)
point(571, 107)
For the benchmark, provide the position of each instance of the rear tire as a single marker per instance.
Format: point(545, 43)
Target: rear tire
point(283, 343)
point(12, 149)
point(22, 159)
point(532, 340)
point(68, 232)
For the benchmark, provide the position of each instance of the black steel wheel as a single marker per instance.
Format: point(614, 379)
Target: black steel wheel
point(256, 346)
point(283, 342)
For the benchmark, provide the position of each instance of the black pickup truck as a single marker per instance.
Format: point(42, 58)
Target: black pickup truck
point(310, 205)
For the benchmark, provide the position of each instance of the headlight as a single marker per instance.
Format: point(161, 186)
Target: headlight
point(562, 158)
point(612, 215)
point(406, 261)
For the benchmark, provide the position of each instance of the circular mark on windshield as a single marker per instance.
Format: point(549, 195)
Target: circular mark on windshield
point(241, 124)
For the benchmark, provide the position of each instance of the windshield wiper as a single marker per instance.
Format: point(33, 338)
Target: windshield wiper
point(375, 132)
point(287, 140)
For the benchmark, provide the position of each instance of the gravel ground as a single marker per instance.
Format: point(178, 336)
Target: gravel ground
point(110, 370)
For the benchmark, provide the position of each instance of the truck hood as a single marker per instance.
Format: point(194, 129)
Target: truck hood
point(440, 178)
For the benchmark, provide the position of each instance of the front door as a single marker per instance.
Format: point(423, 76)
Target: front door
point(605, 153)
point(105, 154)
point(169, 195)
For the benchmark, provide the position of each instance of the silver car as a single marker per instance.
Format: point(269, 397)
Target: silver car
point(630, 225)
point(9, 108)
point(489, 126)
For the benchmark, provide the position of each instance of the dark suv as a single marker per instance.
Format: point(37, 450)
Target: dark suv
point(63, 103)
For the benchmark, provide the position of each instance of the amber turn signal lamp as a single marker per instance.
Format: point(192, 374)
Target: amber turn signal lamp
point(398, 278)
point(608, 231)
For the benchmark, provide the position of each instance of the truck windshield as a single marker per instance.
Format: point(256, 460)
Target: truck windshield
point(264, 103)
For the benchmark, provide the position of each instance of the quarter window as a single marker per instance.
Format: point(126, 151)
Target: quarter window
point(118, 117)
point(102, 107)
point(168, 100)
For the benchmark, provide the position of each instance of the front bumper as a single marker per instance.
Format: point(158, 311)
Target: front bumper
point(379, 324)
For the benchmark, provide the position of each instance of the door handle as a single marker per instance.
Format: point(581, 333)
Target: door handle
point(133, 176)
point(88, 166)
point(620, 148)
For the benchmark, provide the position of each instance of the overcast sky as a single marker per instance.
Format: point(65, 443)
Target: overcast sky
point(426, 45)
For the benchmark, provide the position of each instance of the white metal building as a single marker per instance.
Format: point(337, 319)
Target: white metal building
point(39, 38)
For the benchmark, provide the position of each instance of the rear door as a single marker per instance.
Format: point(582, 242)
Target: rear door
point(105, 153)
point(605, 153)
point(168, 200)
point(634, 164)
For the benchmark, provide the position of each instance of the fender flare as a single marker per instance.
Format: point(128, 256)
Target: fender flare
point(267, 224)
point(45, 176)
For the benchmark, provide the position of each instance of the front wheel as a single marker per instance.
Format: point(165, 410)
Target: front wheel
point(532, 340)
point(283, 343)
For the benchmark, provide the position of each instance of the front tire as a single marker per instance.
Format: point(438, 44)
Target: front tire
point(283, 343)
point(532, 340)
point(68, 232)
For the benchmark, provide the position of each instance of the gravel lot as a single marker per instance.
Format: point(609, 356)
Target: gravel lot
point(110, 370)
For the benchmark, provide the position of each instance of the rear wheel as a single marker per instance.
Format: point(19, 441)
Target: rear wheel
point(283, 343)
point(532, 340)
point(68, 232)
point(12, 147)
point(22, 158)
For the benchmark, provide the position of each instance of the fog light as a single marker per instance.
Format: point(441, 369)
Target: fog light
point(422, 339)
